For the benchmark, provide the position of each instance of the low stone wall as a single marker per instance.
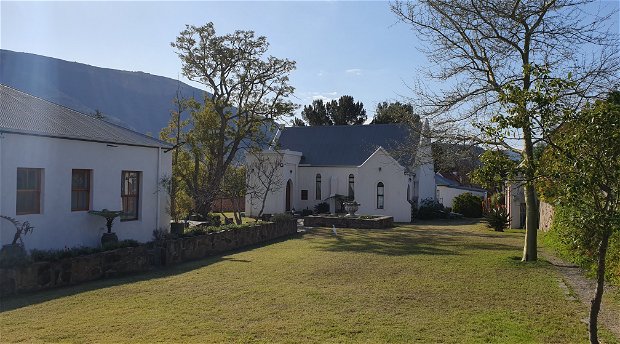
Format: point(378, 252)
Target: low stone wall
point(46, 275)
point(349, 222)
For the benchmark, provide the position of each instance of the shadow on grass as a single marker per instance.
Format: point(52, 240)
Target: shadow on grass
point(428, 240)
point(27, 299)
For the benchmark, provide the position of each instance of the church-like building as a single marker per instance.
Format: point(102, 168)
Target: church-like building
point(386, 168)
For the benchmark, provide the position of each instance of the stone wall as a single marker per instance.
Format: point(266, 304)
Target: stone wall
point(349, 222)
point(546, 216)
point(46, 275)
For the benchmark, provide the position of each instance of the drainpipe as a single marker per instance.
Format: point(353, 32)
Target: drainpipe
point(157, 187)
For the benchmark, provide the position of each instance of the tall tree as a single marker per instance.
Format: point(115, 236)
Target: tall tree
point(395, 112)
point(249, 91)
point(582, 172)
point(343, 111)
point(316, 113)
point(346, 111)
point(298, 122)
point(483, 47)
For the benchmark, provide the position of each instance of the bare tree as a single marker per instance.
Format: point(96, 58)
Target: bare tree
point(249, 90)
point(481, 48)
point(264, 176)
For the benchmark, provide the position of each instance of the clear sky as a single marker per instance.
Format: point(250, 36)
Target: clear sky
point(353, 48)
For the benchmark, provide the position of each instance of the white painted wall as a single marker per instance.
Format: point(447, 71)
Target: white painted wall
point(57, 226)
point(446, 195)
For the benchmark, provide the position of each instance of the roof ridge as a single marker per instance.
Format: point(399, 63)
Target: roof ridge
point(83, 114)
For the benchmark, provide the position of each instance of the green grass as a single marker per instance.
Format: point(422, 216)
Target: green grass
point(427, 283)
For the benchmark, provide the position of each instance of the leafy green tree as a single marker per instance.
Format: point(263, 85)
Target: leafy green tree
point(298, 122)
point(346, 111)
point(316, 113)
point(249, 91)
point(336, 112)
point(234, 188)
point(495, 170)
point(582, 172)
point(395, 112)
point(480, 48)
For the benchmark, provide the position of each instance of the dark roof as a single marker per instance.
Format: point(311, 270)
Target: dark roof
point(348, 145)
point(443, 181)
point(22, 113)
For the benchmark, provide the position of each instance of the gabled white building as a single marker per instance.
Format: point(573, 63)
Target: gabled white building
point(56, 164)
point(384, 167)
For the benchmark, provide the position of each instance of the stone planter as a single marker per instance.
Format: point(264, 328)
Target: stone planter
point(108, 237)
point(351, 208)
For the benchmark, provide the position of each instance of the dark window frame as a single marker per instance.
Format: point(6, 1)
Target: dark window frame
point(36, 191)
point(351, 186)
point(88, 190)
point(380, 195)
point(317, 190)
point(125, 197)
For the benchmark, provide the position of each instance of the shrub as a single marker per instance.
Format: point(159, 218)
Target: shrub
point(321, 208)
point(306, 212)
point(281, 217)
point(468, 205)
point(430, 209)
point(574, 245)
point(497, 218)
point(55, 255)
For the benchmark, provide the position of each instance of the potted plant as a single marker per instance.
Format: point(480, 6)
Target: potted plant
point(109, 216)
point(15, 250)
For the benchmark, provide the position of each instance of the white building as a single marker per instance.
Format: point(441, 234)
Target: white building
point(448, 190)
point(384, 167)
point(56, 164)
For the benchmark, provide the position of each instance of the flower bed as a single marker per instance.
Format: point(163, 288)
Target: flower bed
point(364, 222)
point(129, 260)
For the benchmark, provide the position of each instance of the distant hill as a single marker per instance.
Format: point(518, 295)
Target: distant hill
point(137, 100)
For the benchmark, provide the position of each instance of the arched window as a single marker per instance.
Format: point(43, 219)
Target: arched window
point(380, 195)
point(351, 187)
point(318, 186)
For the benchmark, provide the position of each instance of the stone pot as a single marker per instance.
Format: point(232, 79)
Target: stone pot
point(351, 208)
point(108, 237)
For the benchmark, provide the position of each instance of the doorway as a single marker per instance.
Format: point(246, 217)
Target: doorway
point(289, 187)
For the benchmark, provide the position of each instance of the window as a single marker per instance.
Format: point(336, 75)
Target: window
point(380, 195)
point(351, 187)
point(304, 195)
point(130, 191)
point(28, 191)
point(318, 186)
point(80, 190)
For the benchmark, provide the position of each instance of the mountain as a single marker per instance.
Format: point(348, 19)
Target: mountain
point(136, 100)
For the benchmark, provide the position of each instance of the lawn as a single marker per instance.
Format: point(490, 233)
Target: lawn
point(442, 282)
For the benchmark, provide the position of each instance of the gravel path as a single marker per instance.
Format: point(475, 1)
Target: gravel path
point(583, 288)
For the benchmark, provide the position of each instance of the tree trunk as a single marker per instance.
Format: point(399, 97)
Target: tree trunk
point(530, 252)
point(600, 285)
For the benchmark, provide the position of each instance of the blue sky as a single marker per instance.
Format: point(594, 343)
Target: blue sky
point(353, 48)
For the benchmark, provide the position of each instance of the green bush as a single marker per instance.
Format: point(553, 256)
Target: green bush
point(55, 255)
point(430, 209)
point(468, 205)
point(306, 212)
point(204, 229)
point(321, 208)
point(497, 218)
point(284, 217)
point(574, 245)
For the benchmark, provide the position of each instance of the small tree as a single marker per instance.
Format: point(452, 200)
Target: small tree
point(234, 188)
point(467, 204)
point(21, 228)
point(495, 171)
point(264, 176)
point(582, 172)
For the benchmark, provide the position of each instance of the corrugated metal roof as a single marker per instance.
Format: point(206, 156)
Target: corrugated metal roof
point(349, 145)
point(23, 113)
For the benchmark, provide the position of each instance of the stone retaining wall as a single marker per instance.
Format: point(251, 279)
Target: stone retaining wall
point(349, 222)
point(46, 275)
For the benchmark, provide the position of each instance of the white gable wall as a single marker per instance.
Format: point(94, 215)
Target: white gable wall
point(57, 226)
